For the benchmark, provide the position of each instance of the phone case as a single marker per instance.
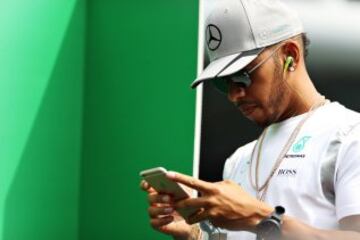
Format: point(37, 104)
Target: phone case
point(156, 177)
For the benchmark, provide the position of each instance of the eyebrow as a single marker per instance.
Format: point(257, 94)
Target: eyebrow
point(250, 65)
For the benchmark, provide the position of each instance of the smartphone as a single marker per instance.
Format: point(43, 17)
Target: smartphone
point(157, 179)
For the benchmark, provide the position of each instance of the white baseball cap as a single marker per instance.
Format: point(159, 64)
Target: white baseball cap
point(238, 30)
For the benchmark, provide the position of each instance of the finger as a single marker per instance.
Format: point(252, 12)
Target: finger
point(156, 223)
point(191, 182)
point(189, 191)
point(154, 198)
point(200, 202)
point(155, 212)
point(146, 186)
point(198, 217)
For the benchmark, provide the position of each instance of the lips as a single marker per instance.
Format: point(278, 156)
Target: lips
point(247, 109)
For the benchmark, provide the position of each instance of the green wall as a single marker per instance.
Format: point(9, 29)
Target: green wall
point(41, 78)
point(139, 109)
point(89, 96)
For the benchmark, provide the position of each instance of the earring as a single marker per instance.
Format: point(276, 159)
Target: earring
point(292, 69)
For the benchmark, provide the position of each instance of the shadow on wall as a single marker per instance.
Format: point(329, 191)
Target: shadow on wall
point(42, 202)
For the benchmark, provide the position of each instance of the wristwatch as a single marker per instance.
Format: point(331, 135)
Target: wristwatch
point(270, 227)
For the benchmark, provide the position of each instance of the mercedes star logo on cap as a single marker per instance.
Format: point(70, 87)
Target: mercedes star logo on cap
point(213, 37)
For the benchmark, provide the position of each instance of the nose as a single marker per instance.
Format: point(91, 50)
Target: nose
point(236, 92)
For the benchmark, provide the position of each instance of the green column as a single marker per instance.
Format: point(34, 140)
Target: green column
point(85, 109)
point(41, 76)
point(139, 109)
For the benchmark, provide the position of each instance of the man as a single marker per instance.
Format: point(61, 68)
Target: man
point(307, 160)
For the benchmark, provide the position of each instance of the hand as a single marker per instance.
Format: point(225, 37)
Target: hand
point(225, 204)
point(163, 217)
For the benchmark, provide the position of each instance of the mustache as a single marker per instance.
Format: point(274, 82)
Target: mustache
point(240, 103)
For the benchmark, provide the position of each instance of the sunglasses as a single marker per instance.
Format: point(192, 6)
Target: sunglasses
point(241, 78)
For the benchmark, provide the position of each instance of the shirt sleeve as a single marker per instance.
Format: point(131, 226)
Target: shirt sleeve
point(228, 167)
point(232, 162)
point(347, 179)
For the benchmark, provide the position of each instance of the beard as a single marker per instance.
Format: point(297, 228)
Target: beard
point(280, 94)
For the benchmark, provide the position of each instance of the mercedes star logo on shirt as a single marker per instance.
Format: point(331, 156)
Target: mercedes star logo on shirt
point(213, 37)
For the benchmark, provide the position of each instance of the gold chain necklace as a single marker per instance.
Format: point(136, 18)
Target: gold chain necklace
point(262, 190)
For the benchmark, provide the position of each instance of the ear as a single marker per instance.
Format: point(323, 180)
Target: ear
point(292, 49)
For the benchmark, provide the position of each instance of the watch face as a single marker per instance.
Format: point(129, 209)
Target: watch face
point(269, 229)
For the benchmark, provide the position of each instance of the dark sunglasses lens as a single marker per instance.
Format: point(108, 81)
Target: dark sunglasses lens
point(242, 78)
point(221, 85)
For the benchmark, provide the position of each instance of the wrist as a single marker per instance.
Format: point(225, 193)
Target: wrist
point(194, 233)
point(263, 212)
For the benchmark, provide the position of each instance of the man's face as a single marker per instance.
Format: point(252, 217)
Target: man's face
point(264, 100)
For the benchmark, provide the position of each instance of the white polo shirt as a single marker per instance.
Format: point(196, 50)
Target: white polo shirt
point(318, 182)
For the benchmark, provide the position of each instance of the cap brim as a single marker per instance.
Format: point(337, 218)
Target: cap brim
point(226, 66)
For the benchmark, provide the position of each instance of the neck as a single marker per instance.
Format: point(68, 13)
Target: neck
point(303, 96)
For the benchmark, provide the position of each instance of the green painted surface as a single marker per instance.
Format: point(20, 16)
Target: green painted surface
point(84, 111)
point(41, 76)
point(139, 109)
